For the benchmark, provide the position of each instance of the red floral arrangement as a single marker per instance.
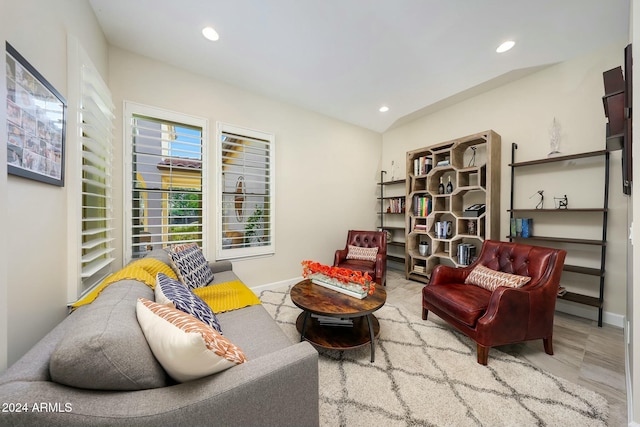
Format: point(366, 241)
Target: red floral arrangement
point(344, 275)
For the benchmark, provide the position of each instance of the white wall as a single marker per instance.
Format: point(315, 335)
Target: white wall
point(633, 333)
point(33, 253)
point(522, 112)
point(326, 170)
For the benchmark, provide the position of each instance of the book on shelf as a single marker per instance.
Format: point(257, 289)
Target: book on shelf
point(422, 165)
point(332, 321)
point(419, 268)
point(527, 227)
point(422, 205)
point(396, 205)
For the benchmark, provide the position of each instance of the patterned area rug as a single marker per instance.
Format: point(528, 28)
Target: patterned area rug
point(426, 374)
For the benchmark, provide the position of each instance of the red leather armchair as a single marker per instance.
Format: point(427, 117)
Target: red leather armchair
point(506, 315)
point(365, 239)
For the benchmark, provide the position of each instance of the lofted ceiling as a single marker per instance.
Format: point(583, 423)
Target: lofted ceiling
point(346, 58)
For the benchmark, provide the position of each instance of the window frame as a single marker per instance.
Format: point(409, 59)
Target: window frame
point(223, 252)
point(132, 109)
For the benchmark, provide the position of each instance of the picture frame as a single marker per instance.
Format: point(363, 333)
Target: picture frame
point(36, 123)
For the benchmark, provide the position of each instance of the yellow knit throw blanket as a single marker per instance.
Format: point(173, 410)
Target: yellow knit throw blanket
point(143, 270)
point(227, 296)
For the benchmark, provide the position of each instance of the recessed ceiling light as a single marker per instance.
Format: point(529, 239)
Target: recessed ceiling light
point(383, 109)
point(210, 33)
point(505, 46)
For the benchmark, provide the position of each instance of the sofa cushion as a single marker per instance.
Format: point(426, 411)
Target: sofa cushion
point(107, 350)
point(460, 301)
point(491, 279)
point(366, 254)
point(191, 266)
point(172, 292)
point(186, 347)
point(254, 331)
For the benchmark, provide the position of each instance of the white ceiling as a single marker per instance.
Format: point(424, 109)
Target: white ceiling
point(346, 58)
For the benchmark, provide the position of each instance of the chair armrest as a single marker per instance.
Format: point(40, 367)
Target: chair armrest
point(443, 274)
point(508, 315)
point(341, 255)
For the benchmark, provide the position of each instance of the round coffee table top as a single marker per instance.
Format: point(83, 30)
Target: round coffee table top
point(326, 302)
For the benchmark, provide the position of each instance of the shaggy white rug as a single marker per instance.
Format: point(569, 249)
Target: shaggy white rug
point(426, 374)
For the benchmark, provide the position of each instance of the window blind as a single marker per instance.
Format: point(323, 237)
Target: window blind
point(246, 219)
point(96, 115)
point(167, 184)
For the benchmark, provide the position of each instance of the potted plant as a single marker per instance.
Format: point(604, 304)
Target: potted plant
point(252, 226)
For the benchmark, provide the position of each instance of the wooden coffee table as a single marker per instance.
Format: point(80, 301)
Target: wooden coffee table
point(318, 300)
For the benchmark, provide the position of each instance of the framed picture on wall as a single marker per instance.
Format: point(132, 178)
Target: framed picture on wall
point(36, 119)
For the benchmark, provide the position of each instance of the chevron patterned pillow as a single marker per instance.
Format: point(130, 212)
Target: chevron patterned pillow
point(190, 264)
point(365, 254)
point(169, 291)
point(491, 279)
point(185, 347)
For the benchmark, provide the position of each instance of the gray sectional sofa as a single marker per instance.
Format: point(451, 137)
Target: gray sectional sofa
point(119, 383)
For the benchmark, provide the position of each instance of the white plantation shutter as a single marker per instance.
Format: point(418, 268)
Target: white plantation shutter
point(166, 173)
point(246, 192)
point(96, 115)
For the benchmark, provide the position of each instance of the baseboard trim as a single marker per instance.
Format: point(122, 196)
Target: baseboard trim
point(276, 285)
point(580, 310)
point(627, 366)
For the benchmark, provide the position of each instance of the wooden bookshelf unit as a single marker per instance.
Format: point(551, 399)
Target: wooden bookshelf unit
point(472, 165)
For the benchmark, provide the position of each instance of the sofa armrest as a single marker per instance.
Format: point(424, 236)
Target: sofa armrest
point(276, 389)
point(220, 266)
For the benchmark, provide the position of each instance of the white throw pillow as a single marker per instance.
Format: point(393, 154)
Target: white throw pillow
point(186, 348)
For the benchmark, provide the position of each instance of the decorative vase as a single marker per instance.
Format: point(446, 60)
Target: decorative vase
point(423, 248)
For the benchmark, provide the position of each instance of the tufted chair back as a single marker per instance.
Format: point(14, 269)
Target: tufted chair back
point(365, 239)
point(516, 258)
point(368, 239)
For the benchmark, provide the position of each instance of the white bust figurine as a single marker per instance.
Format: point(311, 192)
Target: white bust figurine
point(554, 138)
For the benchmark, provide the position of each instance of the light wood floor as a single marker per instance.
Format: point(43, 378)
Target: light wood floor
point(583, 353)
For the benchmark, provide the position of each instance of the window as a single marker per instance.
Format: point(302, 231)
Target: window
point(246, 192)
point(166, 179)
point(92, 114)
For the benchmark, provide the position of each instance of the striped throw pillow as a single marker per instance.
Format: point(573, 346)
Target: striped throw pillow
point(491, 279)
point(365, 254)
